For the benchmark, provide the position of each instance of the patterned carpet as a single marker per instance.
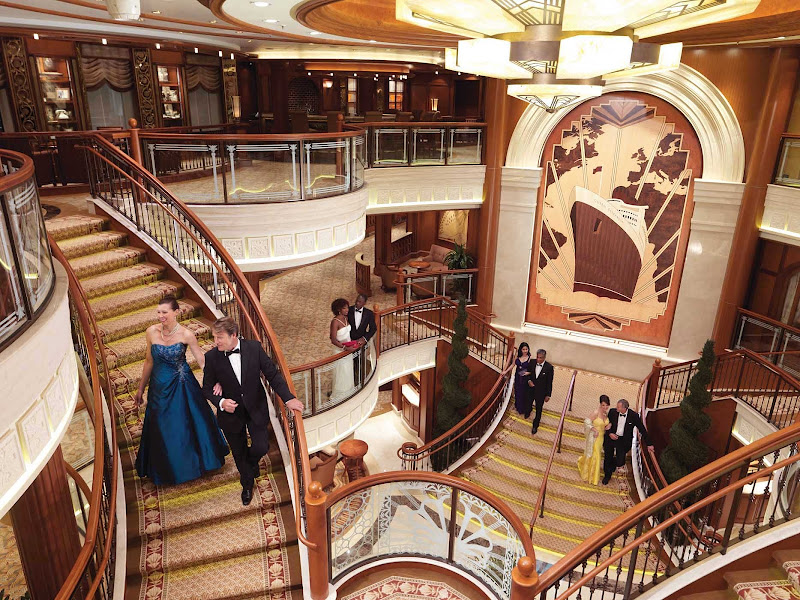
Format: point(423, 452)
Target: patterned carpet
point(405, 588)
point(193, 541)
point(513, 462)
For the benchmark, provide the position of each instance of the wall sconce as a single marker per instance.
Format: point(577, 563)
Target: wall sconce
point(327, 83)
point(434, 104)
point(236, 105)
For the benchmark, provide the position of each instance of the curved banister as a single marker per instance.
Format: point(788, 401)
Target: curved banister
point(538, 510)
point(393, 476)
point(146, 134)
point(768, 320)
point(99, 385)
point(8, 181)
point(740, 458)
point(409, 451)
point(247, 302)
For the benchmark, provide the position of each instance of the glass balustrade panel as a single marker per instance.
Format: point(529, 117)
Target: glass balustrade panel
point(326, 167)
point(258, 172)
point(390, 146)
point(466, 146)
point(191, 170)
point(428, 146)
point(788, 171)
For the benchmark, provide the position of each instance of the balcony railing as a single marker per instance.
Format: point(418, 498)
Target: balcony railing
point(26, 276)
point(776, 341)
point(450, 284)
point(413, 144)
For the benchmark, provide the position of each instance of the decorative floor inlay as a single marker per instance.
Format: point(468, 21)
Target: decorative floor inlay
point(404, 588)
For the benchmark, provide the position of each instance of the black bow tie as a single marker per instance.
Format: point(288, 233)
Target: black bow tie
point(358, 310)
point(229, 352)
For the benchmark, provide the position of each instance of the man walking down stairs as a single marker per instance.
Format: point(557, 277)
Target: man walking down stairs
point(194, 541)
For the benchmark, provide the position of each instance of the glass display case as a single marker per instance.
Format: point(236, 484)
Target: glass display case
point(171, 97)
point(57, 86)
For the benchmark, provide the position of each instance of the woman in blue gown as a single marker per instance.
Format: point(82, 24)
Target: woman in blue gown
point(180, 437)
point(522, 396)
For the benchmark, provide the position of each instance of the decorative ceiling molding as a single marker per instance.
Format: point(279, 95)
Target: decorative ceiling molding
point(705, 107)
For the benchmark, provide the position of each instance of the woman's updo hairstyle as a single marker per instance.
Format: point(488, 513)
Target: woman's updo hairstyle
point(337, 306)
point(170, 300)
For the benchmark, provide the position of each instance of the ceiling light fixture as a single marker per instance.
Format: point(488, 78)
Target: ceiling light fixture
point(158, 46)
point(557, 53)
point(196, 50)
point(373, 41)
point(156, 12)
point(124, 10)
point(220, 53)
point(270, 20)
point(213, 21)
point(104, 41)
point(314, 33)
point(36, 36)
point(260, 4)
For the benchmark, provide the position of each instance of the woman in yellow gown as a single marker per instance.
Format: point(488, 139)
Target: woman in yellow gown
point(591, 463)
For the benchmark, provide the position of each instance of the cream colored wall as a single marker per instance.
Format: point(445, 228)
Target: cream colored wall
point(39, 375)
point(411, 189)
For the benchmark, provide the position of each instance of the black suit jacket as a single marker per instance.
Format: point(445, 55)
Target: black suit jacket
point(632, 421)
point(368, 326)
point(543, 384)
point(250, 394)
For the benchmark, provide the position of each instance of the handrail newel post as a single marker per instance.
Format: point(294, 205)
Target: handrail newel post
point(652, 384)
point(136, 146)
point(317, 533)
point(524, 579)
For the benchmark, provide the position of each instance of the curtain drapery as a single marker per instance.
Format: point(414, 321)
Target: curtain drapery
point(207, 76)
point(115, 71)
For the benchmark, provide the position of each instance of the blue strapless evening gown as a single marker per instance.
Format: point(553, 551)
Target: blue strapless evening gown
point(180, 436)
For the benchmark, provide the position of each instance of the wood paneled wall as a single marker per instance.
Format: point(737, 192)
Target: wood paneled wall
point(723, 416)
point(740, 74)
point(775, 263)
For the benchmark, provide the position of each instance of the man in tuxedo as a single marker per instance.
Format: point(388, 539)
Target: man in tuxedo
point(237, 366)
point(362, 328)
point(540, 382)
point(619, 437)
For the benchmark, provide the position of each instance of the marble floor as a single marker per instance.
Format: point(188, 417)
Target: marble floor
point(385, 433)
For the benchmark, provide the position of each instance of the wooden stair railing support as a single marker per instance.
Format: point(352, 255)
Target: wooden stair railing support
point(317, 529)
point(652, 384)
point(524, 579)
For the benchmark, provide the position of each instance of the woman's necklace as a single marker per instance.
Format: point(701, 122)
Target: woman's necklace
point(164, 336)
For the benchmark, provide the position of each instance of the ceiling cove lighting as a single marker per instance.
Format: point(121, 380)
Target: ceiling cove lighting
point(556, 53)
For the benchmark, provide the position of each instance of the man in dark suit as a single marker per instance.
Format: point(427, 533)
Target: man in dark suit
point(540, 382)
point(619, 437)
point(362, 328)
point(237, 366)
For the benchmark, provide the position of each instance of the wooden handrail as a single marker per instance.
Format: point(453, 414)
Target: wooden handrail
point(672, 493)
point(254, 304)
point(539, 508)
point(146, 134)
point(416, 454)
point(24, 166)
point(90, 328)
point(435, 273)
point(547, 578)
point(80, 482)
point(769, 320)
point(323, 361)
point(448, 480)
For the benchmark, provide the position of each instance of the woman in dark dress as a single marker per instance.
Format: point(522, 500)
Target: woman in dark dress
point(180, 436)
point(522, 398)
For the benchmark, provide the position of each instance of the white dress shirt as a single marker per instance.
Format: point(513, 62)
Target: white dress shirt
point(357, 316)
point(236, 365)
point(539, 368)
point(621, 424)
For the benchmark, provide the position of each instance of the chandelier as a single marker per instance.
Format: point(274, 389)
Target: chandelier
point(124, 10)
point(555, 53)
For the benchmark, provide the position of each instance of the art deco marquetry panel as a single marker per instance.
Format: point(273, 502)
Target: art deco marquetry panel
point(614, 219)
point(145, 88)
point(15, 62)
point(230, 85)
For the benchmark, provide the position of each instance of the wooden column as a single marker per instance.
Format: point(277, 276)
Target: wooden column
point(427, 404)
point(20, 83)
point(489, 214)
point(230, 85)
point(146, 89)
point(254, 279)
point(46, 530)
point(279, 97)
point(777, 101)
point(248, 90)
point(383, 242)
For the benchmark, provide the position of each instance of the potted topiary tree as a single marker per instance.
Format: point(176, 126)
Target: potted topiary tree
point(685, 452)
point(457, 259)
point(455, 397)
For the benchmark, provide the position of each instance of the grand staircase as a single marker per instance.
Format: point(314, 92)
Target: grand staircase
point(780, 581)
point(193, 541)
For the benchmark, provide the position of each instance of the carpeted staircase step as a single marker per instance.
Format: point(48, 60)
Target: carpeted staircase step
point(134, 298)
point(781, 557)
point(107, 260)
point(133, 348)
point(547, 430)
point(128, 324)
point(121, 279)
point(126, 378)
point(62, 228)
point(92, 243)
point(262, 574)
point(538, 446)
